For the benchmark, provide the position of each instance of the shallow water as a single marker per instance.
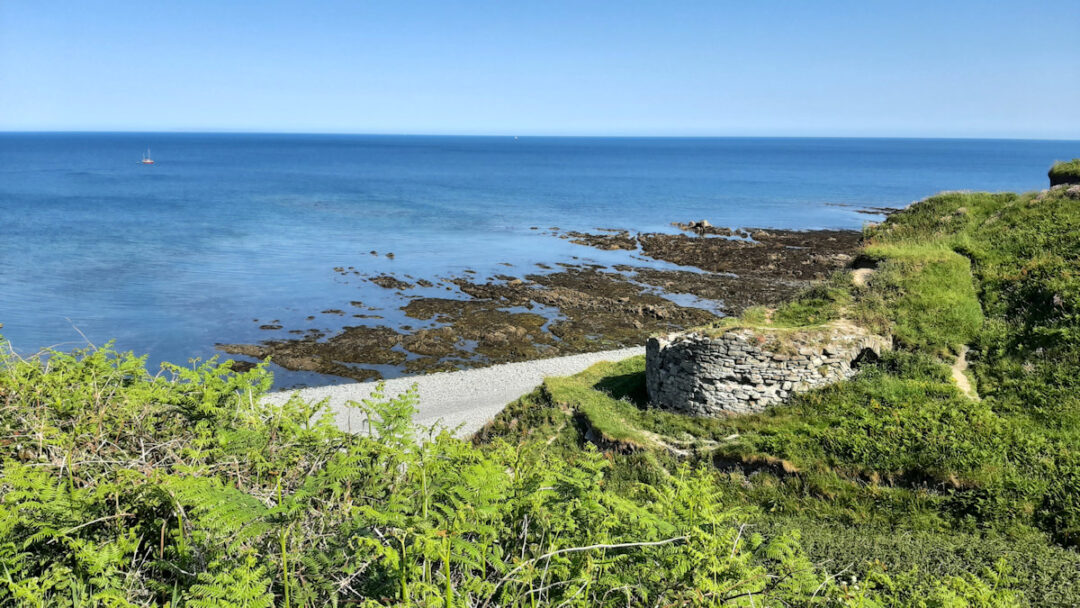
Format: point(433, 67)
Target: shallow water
point(229, 232)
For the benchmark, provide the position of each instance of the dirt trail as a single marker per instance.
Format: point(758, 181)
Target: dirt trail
point(961, 379)
point(861, 276)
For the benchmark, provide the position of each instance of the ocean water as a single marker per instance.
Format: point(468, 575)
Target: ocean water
point(228, 232)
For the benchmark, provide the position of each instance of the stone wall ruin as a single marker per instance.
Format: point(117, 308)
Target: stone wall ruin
point(743, 371)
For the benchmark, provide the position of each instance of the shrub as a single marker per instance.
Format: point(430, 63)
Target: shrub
point(123, 488)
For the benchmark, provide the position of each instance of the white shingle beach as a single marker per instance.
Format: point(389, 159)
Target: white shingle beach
point(469, 398)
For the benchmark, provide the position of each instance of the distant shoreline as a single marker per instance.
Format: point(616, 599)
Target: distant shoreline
point(666, 282)
point(505, 135)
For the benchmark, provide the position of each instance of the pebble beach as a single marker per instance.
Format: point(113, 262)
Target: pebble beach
point(463, 400)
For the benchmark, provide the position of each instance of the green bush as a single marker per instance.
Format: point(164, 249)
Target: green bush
point(1046, 573)
point(855, 465)
point(123, 488)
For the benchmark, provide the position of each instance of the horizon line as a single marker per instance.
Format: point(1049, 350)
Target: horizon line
point(517, 135)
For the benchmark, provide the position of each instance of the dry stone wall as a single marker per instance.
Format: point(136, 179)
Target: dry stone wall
point(743, 371)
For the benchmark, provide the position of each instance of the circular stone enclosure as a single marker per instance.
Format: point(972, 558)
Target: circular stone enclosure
point(745, 370)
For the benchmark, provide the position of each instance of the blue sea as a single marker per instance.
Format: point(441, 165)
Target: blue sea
point(227, 232)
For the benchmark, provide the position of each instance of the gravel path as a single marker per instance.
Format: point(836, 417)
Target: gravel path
point(469, 398)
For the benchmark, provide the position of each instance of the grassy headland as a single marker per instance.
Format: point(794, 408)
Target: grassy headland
point(898, 469)
point(1065, 172)
point(121, 488)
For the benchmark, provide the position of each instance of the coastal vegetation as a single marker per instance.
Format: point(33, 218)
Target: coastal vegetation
point(1065, 172)
point(124, 487)
point(898, 467)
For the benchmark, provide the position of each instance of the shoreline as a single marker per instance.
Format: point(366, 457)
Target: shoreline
point(651, 283)
point(463, 400)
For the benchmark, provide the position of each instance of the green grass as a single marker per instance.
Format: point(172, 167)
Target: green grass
point(926, 293)
point(603, 413)
point(815, 307)
point(1065, 172)
point(897, 468)
point(607, 398)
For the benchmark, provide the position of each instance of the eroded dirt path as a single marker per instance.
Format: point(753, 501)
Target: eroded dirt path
point(961, 379)
point(861, 276)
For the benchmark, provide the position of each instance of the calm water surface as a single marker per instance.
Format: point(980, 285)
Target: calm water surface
point(224, 230)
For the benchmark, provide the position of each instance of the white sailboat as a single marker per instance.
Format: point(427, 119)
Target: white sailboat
point(146, 160)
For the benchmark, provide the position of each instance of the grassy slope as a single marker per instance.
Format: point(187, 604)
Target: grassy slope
point(897, 465)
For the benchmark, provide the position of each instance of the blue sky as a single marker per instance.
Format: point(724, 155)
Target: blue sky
point(908, 69)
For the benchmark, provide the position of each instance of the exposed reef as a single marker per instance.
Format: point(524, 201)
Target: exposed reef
point(389, 282)
point(774, 254)
point(575, 308)
point(614, 239)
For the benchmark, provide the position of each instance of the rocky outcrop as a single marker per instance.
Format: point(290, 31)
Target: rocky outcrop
point(1064, 179)
point(1065, 173)
point(743, 371)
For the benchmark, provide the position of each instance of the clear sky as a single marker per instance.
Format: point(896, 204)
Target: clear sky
point(863, 68)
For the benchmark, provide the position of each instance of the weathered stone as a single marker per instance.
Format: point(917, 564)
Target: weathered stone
point(709, 376)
